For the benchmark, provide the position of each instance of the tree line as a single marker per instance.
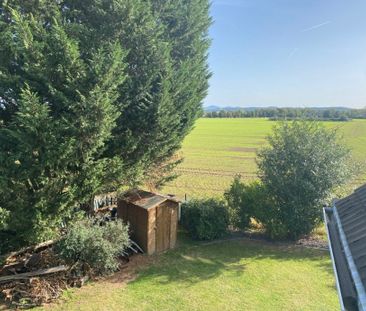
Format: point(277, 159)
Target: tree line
point(291, 113)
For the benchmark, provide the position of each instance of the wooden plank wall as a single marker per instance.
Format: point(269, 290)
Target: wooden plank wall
point(155, 230)
point(173, 223)
point(151, 231)
point(166, 225)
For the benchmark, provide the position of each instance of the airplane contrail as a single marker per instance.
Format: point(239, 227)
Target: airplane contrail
point(292, 53)
point(316, 26)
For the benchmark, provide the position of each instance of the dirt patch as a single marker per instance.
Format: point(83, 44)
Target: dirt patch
point(313, 242)
point(129, 271)
point(258, 235)
point(244, 149)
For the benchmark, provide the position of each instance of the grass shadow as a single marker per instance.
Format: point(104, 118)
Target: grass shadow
point(195, 262)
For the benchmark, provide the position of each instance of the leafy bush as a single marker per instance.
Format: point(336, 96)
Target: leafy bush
point(252, 201)
point(94, 245)
point(205, 219)
point(247, 201)
point(303, 163)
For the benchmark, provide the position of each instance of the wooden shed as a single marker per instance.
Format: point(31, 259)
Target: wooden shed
point(153, 219)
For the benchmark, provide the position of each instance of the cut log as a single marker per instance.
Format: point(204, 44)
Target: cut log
point(27, 275)
point(17, 253)
point(34, 248)
point(44, 245)
point(11, 267)
point(16, 265)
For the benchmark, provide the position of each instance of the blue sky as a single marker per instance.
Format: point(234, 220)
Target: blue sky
point(288, 53)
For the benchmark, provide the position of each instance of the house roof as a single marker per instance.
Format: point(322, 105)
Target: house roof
point(146, 199)
point(346, 224)
point(352, 213)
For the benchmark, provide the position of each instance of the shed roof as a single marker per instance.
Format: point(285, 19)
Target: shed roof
point(146, 199)
point(346, 224)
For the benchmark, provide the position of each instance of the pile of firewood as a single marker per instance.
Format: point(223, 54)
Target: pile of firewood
point(36, 275)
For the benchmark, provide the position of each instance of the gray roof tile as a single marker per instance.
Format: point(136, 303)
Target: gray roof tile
point(352, 214)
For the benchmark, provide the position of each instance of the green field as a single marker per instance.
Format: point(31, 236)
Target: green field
point(230, 275)
point(218, 149)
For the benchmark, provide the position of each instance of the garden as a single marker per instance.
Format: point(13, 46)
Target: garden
point(96, 99)
point(266, 262)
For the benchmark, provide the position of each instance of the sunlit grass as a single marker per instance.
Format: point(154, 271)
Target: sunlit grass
point(234, 275)
point(218, 149)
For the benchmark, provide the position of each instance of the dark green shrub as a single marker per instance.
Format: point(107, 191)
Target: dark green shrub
point(205, 219)
point(276, 229)
point(253, 201)
point(245, 202)
point(94, 245)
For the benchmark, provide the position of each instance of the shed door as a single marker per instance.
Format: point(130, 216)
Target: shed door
point(162, 228)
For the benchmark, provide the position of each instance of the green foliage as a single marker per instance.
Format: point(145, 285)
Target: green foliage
point(253, 201)
point(56, 113)
point(94, 245)
point(167, 81)
point(205, 219)
point(300, 168)
point(92, 95)
point(247, 201)
point(167, 72)
point(4, 215)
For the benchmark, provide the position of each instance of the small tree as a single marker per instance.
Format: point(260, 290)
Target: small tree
point(301, 166)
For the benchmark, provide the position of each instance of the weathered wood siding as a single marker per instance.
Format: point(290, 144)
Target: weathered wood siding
point(151, 232)
point(154, 229)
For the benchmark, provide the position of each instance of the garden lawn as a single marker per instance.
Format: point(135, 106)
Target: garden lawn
point(230, 275)
point(218, 149)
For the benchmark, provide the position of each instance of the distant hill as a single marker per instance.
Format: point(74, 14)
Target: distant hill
point(213, 108)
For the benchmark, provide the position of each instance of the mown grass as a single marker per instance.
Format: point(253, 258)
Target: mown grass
point(230, 275)
point(218, 149)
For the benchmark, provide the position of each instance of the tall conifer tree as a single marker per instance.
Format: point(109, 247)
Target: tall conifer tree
point(93, 95)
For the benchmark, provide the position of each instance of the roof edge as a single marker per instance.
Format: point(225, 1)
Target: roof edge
point(340, 296)
point(351, 264)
